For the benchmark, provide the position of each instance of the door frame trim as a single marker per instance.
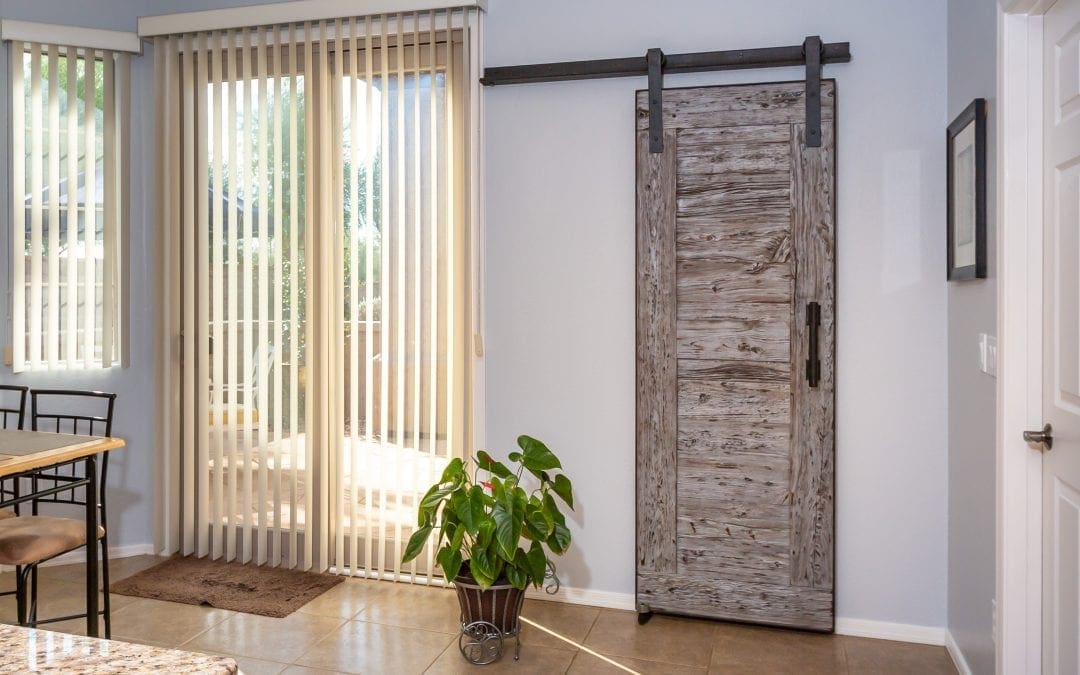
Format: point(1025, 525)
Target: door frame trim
point(1018, 550)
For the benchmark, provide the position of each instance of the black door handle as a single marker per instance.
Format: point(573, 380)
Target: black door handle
point(813, 363)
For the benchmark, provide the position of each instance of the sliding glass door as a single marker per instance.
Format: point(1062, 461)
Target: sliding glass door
point(322, 280)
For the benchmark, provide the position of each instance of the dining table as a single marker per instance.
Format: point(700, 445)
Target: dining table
point(24, 454)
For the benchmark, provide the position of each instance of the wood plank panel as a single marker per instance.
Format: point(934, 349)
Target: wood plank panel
point(764, 401)
point(716, 521)
point(764, 334)
point(656, 361)
point(760, 237)
point(739, 159)
point(744, 558)
point(813, 432)
point(706, 286)
point(727, 196)
point(765, 603)
point(705, 139)
point(725, 510)
point(713, 436)
point(736, 105)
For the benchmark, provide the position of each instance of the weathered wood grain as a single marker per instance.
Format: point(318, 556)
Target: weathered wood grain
point(740, 159)
point(761, 237)
point(764, 401)
point(718, 437)
point(728, 196)
point(735, 370)
point(705, 287)
point(813, 433)
point(706, 139)
point(656, 356)
point(743, 558)
point(736, 105)
point(736, 512)
point(764, 335)
point(719, 598)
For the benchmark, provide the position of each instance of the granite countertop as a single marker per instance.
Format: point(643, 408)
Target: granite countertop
point(29, 650)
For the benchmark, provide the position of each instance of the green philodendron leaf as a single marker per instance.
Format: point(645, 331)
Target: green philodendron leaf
point(540, 523)
point(537, 563)
point(564, 489)
point(485, 533)
point(416, 543)
point(487, 463)
point(461, 505)
point(433, 497)
point(507, 531)
point(536, 456)
point(518, 577)
point(482, 566)
point(552, 509)
point(458, 537)
point(450, 561)
point(559, 540)
point(514, 456)
point(454, 471)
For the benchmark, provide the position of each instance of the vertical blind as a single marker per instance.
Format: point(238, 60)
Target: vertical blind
point(317, 255)
point(69, 120)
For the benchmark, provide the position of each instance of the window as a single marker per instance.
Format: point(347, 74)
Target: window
point(69, 118)
point(314, 194)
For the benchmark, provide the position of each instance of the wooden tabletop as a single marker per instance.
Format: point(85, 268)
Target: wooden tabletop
point(25, 450)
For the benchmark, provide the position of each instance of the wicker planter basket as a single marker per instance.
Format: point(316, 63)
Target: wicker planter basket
point(487, 617)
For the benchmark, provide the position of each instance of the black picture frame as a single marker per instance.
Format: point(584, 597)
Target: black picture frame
point(966, 194)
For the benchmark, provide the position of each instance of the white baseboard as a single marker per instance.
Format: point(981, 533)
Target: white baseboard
point(885, 630)
point(882, 630)
point(956, 655)
point(585, 596)
point(79, 556)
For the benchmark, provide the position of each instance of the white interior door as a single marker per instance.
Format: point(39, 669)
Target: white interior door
point(1061, 360)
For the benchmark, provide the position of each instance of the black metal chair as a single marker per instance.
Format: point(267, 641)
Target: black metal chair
point(62, 535)
point(12, 416)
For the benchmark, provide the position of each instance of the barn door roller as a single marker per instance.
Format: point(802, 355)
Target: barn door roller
point(812, 54)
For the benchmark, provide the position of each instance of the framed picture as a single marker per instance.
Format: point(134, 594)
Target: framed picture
point(966, 168)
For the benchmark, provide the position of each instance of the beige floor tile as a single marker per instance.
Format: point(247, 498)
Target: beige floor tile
point(304, 670)
point(679, 641)
point(363, 647)
point(264, 637)
point(774, 650)
point(59, 598)
point(250, 666)
point(119, 568)
point(534, 659)
point(570, 621)
point(588, 664)
point(408, 606)
point(162, 622)
point(884, 657)
point(347, 598)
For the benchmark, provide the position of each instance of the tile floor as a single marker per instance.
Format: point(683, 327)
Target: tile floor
point(379, 627)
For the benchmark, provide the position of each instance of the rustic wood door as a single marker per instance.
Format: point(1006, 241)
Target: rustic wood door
point(735, 444)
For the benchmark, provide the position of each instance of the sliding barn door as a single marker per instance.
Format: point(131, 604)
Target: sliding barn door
point(735, 288)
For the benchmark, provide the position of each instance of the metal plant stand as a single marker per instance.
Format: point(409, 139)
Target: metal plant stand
point(481, 639)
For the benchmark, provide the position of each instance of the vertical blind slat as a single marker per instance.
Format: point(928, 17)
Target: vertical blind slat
point(382, 470)
point(309, 166)
point(276, 93)
point(52, 335)
point(399, 302)
point(18, 208)
point(262, 381)
point(231, 411)
point(202, 278)
point(354, 290)
point(216, 253)
point(244, 187)
point(188, 331)
point(294, 304)
point(71, 320)
point(89, 240)
point(416, 283)
point(36, 131)
point(109, 208)
point(369, 289)
point(433, 275)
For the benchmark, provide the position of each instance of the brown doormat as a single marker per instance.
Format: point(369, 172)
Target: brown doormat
point(269, 591)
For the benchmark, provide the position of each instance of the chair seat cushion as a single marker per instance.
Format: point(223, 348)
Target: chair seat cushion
point(6, 513)
point(30, 539)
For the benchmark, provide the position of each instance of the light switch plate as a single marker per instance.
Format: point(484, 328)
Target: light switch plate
point(988, 354)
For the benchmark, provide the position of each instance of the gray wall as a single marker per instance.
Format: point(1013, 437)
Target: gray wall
point(559, 192)
point(972, 40)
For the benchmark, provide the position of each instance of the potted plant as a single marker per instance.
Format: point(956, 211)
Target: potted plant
point(495, 534)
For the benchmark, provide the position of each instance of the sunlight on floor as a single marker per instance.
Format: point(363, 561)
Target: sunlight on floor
point(580, 646)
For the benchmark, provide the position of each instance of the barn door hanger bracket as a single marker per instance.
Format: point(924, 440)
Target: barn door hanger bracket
point(812, 54)
point(654, 58)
